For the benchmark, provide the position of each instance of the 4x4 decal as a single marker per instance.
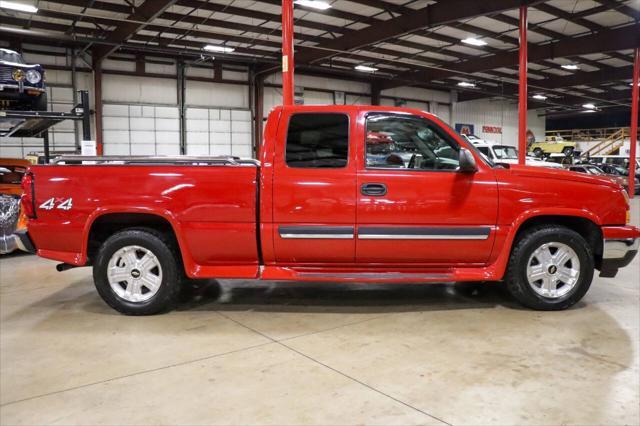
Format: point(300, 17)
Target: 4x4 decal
point(59, 203)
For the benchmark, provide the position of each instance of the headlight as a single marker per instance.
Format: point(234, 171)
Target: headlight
point(33, 76)
point(626, 197)
point(17, 74)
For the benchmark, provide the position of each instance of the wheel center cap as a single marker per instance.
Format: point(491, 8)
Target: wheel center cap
point(553, 269)
point(135, 273)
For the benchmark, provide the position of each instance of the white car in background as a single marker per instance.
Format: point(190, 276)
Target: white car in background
point(509, 155)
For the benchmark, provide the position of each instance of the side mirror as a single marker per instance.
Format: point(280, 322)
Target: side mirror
point(4, 171)
point(467, 162)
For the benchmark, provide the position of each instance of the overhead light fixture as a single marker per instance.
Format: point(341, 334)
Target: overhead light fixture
point(589, 106)
point(466, 84)
point(219, 49)
point(21, 7)
point(474, 41)
point(570, 67)
point(365, 68)
point(315, 4)
point(540, 97)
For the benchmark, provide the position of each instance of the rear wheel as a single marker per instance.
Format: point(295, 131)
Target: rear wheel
point(551, 268)
point(567, 150)
point(538, 152)
point(136, 272)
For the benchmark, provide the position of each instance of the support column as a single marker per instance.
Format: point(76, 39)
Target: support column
point(375, 93)
point(181, 69)
point(258, 99)
point(522, 93)
point(97, 99)
point(288, 64)
point(633, 134)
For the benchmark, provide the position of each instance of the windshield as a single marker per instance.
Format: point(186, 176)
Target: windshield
point(504, 152)
point(9, 56)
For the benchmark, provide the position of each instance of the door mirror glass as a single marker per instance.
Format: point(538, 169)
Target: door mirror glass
point(467, 161)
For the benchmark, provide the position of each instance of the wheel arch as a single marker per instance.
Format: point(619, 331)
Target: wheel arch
point(109, 221)
point(584, 226)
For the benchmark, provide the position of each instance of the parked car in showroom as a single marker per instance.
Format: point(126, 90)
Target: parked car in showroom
point(552, 145)
point(22, 86)
point(509, 155)
point(13, 220)
point(321, 204)
point(597, 171)
point(619, 173)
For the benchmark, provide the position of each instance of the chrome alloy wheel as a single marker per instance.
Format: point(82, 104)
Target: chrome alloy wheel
point(553, 270)
point(134, 274)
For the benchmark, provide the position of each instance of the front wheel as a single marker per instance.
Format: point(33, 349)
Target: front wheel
point(136, 272)
point(551, 268)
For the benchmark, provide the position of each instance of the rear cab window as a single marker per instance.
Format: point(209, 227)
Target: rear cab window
point(317, 140)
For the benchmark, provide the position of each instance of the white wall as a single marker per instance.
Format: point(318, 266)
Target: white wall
point(496, 113)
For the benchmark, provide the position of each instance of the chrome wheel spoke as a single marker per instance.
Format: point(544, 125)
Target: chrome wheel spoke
point(119, 274)
point(567, 275)
point(536, 272)
point(147, 262)
point(562, 256)
point(151, 282)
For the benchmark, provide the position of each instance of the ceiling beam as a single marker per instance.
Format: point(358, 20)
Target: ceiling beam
point(146, 12)
point(440, 13)
point(622, 38)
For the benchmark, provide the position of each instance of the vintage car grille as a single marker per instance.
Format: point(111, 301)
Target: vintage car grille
point(5, 74)
point(9, 214)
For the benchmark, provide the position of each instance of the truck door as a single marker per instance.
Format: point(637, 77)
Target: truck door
point(414, 206)
point(314, 188)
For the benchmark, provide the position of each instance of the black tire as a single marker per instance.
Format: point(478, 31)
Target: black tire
point(538, 152)
point(567, 150)
point(40, 103)
point(166, 253)
point(516, 276)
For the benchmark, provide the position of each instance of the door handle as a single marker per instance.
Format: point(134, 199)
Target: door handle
point(374, 189)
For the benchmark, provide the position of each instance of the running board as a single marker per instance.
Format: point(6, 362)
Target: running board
point(354, 275)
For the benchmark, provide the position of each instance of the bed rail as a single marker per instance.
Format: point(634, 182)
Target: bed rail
point(119, 160)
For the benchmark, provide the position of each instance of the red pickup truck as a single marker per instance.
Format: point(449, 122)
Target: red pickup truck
point(340, 193)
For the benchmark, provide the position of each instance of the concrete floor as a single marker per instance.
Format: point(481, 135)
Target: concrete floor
point(285, 354)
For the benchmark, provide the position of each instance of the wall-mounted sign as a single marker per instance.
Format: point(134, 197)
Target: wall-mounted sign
point(400, 102)
point(339, 98)
point(464, 129)
point(492, 129)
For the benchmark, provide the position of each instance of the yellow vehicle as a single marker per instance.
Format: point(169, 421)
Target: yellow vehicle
point(552, 145)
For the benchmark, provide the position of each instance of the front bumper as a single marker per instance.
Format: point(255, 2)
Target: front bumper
point(14, 90)
point(17, 241)
point(620, 246)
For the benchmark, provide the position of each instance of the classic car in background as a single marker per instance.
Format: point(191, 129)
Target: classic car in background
point(552, 145)
point(12, 218)
point(22, 86)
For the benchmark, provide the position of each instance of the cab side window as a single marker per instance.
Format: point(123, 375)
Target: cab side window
point(317, 140)
point(408, 142)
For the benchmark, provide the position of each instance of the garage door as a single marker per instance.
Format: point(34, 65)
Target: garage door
point(136, 129)
point(219, 131)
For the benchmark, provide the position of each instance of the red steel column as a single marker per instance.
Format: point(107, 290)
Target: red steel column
point(522, 93)
point(633, 134)
point(287, 52)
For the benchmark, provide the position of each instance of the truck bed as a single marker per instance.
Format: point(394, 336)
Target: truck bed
point(209, 202)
